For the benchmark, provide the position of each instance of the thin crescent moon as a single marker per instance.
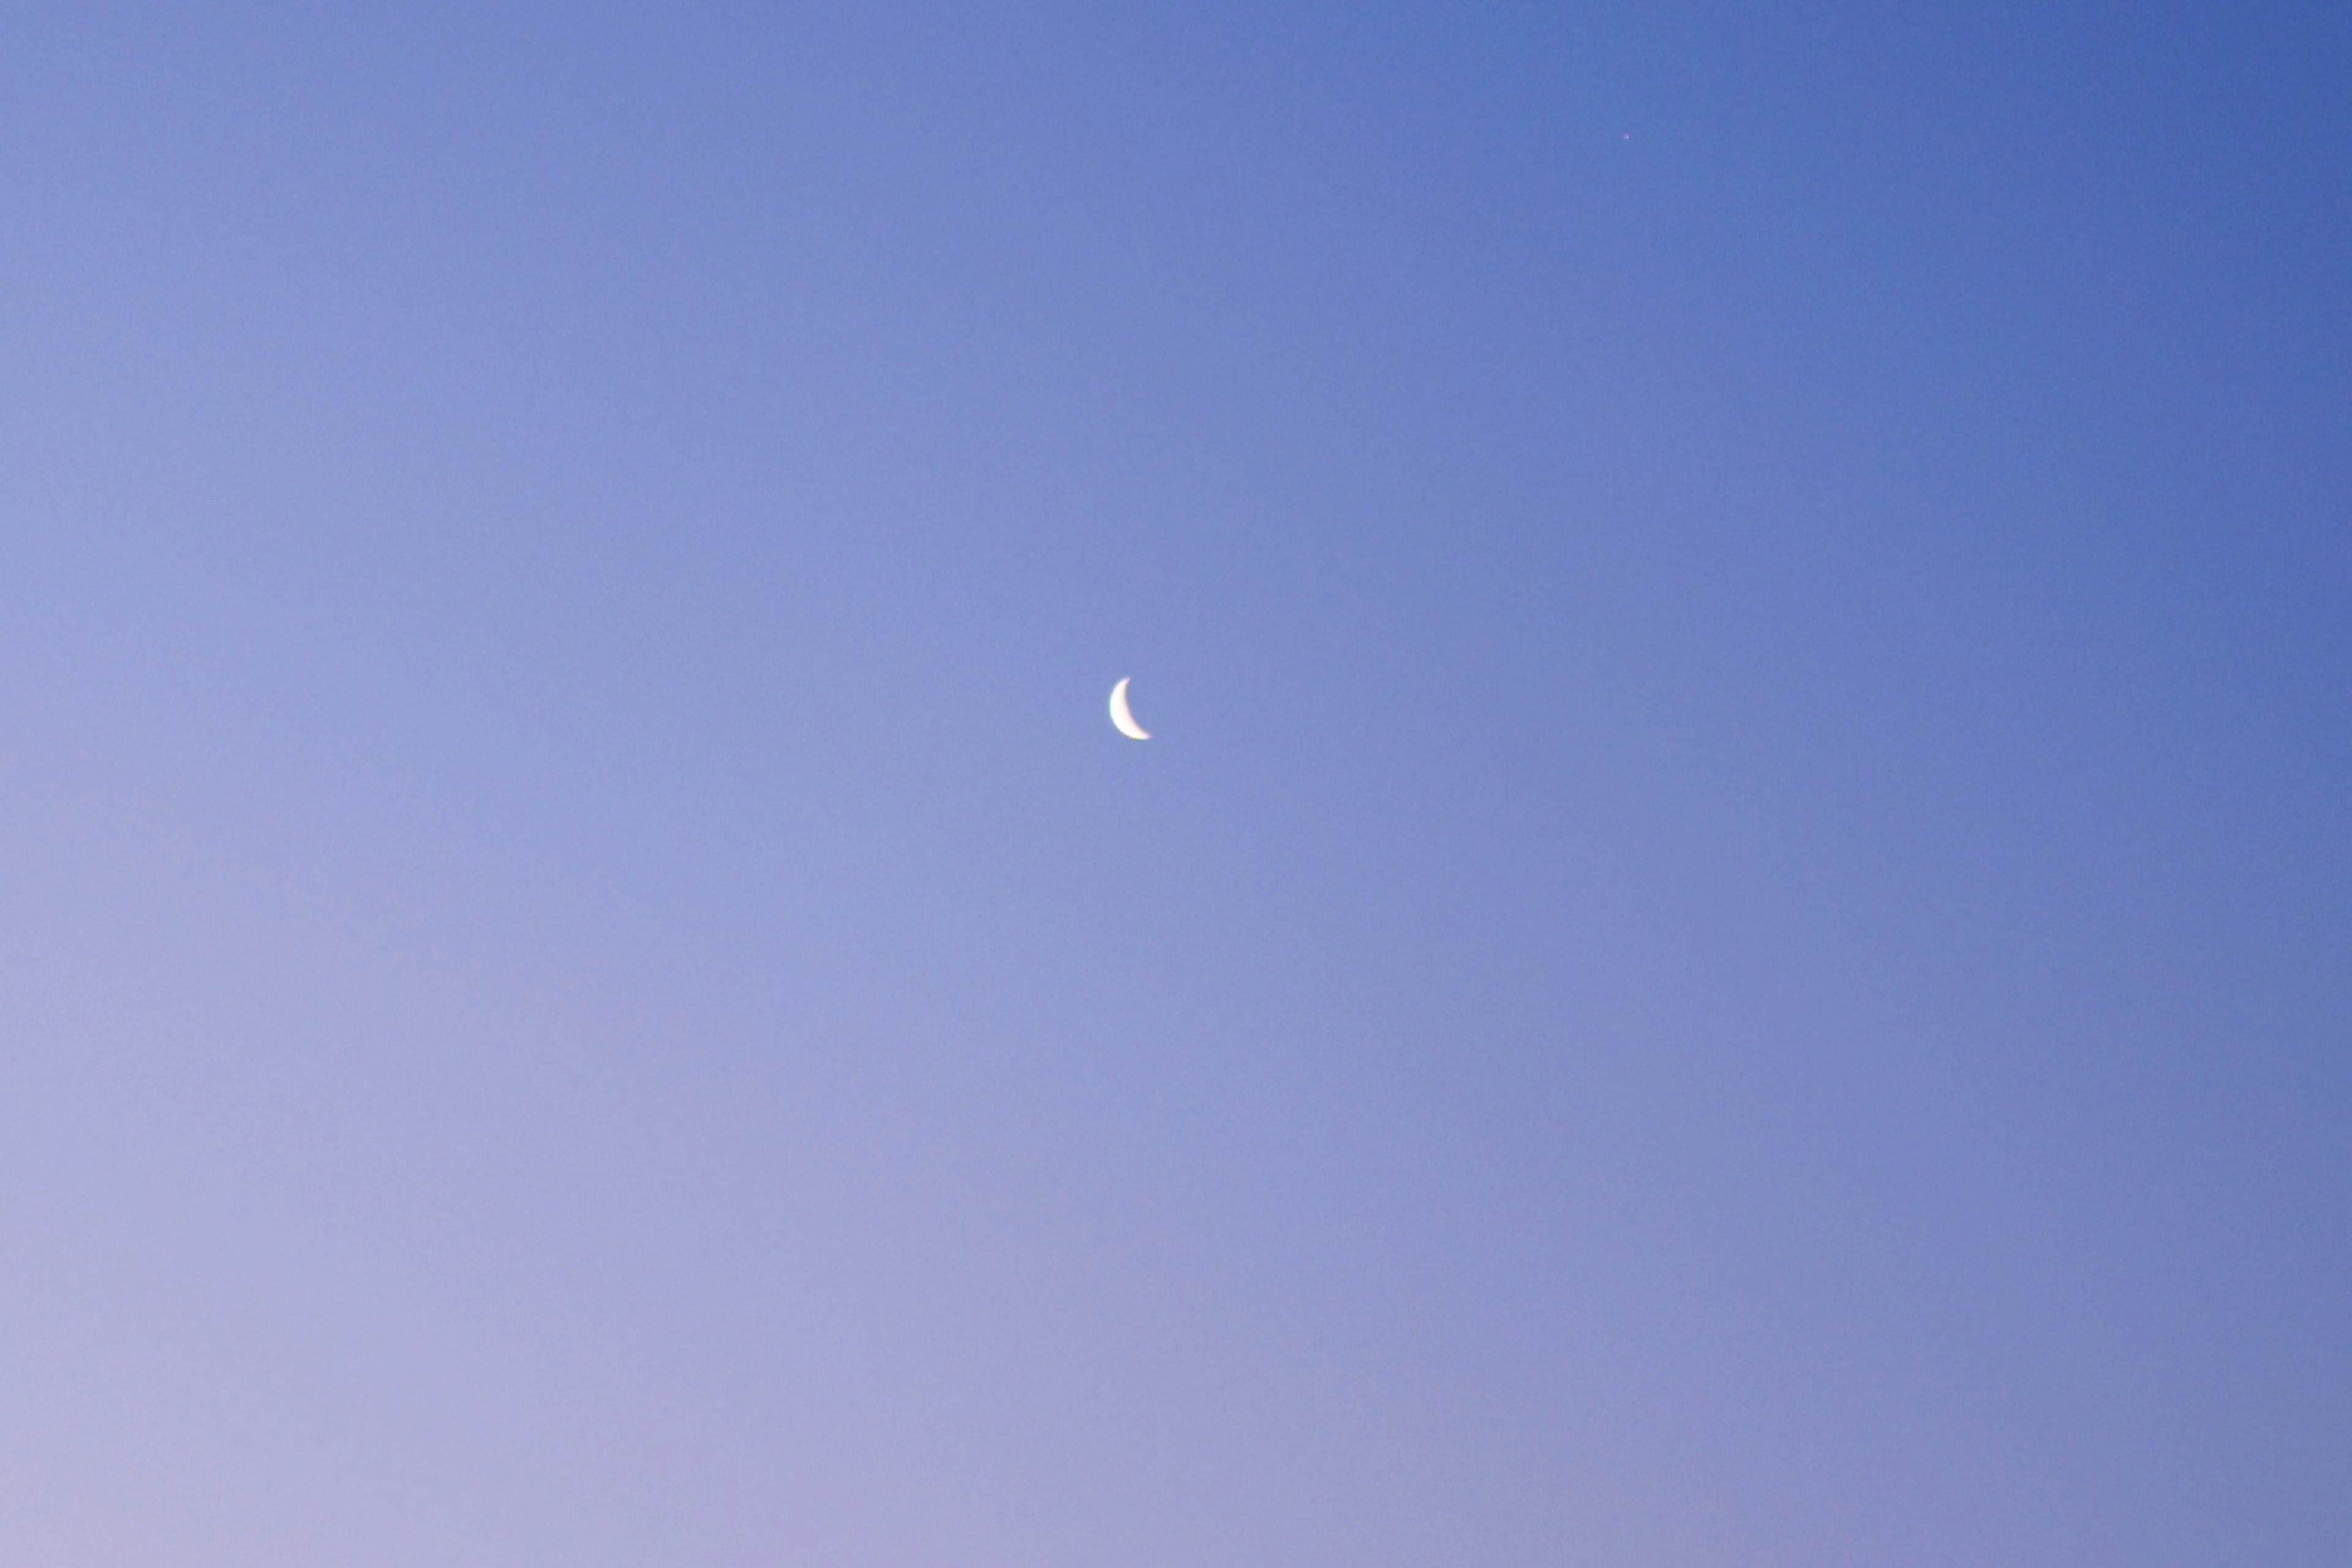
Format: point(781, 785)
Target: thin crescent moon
point(1122, 716)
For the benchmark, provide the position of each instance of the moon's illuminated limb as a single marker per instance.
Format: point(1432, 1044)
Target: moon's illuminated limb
point(1120, 716)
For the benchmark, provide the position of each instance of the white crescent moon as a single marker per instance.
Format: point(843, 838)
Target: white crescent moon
point(1122, 716)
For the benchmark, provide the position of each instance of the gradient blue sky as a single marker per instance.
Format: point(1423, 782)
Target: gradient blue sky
point(1733, 949)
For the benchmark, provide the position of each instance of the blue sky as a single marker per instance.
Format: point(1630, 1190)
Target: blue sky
point(1731, 947)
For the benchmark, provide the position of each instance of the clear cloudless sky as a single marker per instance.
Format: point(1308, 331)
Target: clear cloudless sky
point(1735, 945)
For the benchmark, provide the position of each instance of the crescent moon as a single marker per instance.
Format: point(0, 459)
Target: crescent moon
point(1121, 714)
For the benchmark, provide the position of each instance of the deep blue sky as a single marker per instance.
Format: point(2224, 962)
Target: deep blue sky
point(1732, 948)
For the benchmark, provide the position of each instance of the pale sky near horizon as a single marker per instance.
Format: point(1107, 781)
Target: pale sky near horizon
point(1731, 947)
